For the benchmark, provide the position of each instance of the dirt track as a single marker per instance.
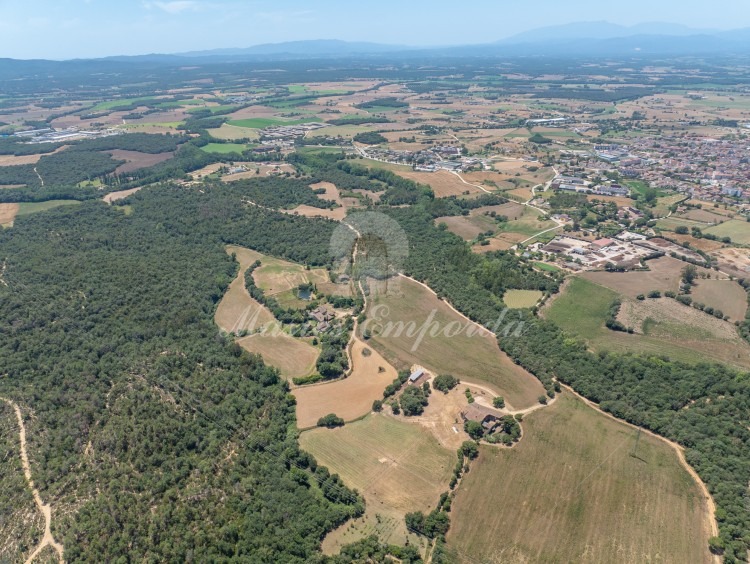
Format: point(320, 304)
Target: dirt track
point(46, 510)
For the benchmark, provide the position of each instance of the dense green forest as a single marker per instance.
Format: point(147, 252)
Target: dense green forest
point(278, 193)
point(169, 441)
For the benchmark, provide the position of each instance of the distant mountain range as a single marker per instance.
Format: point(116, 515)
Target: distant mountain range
point(575, 39)
point(572, 40)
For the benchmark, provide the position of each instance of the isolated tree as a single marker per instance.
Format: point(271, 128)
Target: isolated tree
point(689, 274)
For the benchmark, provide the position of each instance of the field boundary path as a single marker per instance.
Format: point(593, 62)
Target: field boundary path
point(45, 509)
point(710, 523)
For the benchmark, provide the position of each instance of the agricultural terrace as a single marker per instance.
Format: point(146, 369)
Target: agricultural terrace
point(469, 357)
point(398, 468)
point(662, 326)
point(568, 495)
point(351, 397)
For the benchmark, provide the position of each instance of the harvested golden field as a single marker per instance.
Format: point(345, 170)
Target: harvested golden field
point(563, 495)
point(337, 214)
point(495, 244)
point(135, 160)
point(119, 195)
point(734, 261)
point(451, 343)
point(237, 311)
point(511, 210)
point(443, 183)
point(207, 170)
point(8, 213)
point(726, 295)
point(522, 299)
point(398, 468)
point(349, 398)
point(294, 358)
point(664, 274)
point(12, 160)
point(704, 216)
point(702, 244)
point(467, 227)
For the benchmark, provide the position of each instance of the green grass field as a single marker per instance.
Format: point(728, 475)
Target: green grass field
point(34, 207)
point(224, 148)
point(570, 491)
point(111, 104)
point(546, 267)
point(668, 328)
point(262, 123)
point(737, 230)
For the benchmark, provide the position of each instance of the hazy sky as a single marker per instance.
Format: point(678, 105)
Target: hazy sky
point(93, 28)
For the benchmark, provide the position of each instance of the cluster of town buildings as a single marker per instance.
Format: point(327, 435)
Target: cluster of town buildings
point(716, 170)
point(284, 136)
point(443, 157)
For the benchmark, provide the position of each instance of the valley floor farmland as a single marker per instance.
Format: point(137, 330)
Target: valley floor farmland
point(565, 495)
point(476, 357)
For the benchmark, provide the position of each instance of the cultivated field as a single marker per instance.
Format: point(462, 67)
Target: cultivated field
point(726, 295)
point(8, 213)
point(237, 310)
point(398, 467)
point(294, 358)
point(119, 195)
point(466, 227)
point(442, 182)
point(349, 398)
point(135, 160)
point(663, 326)
point(734, 261)
point(737, 230)
point(563, 495)
point(470, 357)
point(664, 274)
point(233, 133)
point(521, 299)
